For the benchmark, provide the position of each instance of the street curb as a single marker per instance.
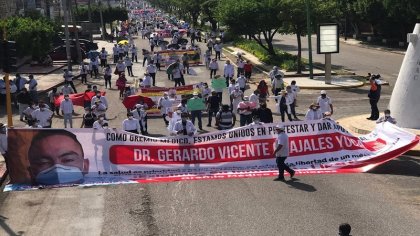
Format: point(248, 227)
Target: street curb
point(383, 49)
point(262, 69)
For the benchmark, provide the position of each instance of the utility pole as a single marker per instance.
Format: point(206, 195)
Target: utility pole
point(76, 33)
point(90, 21)
point(6, 69)
point(308, 25)
point(66, 32)
point(102, 20)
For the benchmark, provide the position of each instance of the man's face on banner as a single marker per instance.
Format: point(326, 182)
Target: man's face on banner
point(57, 159)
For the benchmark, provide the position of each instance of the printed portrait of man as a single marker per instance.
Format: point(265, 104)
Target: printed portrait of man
point(56, 157)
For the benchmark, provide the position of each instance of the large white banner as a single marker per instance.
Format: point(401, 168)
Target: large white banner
point(93, 157)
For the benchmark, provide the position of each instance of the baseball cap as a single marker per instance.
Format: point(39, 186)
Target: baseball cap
point(280, 126)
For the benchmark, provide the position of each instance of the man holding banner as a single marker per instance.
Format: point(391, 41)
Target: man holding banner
point(196, 105)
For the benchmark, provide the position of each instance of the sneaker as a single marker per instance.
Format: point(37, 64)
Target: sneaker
point(292, 174)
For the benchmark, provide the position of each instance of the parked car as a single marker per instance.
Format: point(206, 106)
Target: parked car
point(59, 53)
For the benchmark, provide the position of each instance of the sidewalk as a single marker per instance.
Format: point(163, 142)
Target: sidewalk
point(304, 82)
point(359, 125)
point(359, 43)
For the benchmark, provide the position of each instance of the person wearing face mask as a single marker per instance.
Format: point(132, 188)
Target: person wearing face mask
point(61, 163)
point(88, 118)
point(325, 103)
point(184, 126)
point(99, 97)
point(101, 123)
point(43, 115)
point(205, 91)
point(197, 112)
point(228, 71)
point(131, 124)
point(281, 152)
point(164, 105)
point(386, 118)
point(292, 97)
point(28, 112)
point(140, 114)
point(66, 89)
point(67, 109)
point(313, 112)
point(236, 97)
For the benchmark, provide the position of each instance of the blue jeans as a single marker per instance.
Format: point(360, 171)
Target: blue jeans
point(196, 114)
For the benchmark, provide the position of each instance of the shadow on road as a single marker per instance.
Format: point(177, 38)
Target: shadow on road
point(404, 165)
point(294, 183)
point(6, 227)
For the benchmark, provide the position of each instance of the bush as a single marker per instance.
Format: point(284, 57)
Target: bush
point(33, 36)
point(282, 59)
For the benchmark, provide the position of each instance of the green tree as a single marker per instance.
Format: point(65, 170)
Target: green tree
point(33, 36)
point(209, 13)
point(293, 16)
point(257, 18)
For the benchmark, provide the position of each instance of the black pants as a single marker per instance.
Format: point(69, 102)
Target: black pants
point(103, 62)
point(182, 80)
point(107, 81)
point(144, 60)
point(94, 71)
point(133, 131)
point(133, 57)
point(164, 116)
point(177, 82)
point(197, 114)
point(210, 50)
point(130, 70)
point(283, 110)
point(228, 78)
point(158, 65)
point(374, 109)
point(84, 78)
point(212, 73)
point(282, 166)
point(153, 75)
point(212, 113)
point(72, 85)
point(217, 55)
point(116, 57)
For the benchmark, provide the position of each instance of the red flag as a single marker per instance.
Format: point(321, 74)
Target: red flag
point(78, 99)
point(130, 101)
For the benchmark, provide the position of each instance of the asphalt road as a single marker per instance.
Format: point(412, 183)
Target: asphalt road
point(354, 58)
point(383, 202)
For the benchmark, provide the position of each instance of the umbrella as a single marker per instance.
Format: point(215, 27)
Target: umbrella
point(183, 41)
point(92, 54)
point(171, 67)
point(173, 46)
point(163, 43)
point(123, 42)
point(131, 101)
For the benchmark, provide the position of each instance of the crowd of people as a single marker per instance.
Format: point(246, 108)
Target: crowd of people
point(247, 106)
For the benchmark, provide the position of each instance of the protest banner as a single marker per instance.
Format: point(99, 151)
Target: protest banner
point(171, 56)
point(96, 157)
point(151, 97)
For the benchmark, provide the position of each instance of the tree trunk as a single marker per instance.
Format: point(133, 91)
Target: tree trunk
point(299, 54)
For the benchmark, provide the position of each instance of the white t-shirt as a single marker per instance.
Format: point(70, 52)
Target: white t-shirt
point(42, 116)
point(129, 125)
point(241, 81)
point(324, 104)
point(282, 139)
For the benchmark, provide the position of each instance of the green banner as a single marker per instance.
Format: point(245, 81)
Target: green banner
point(219, 83)
point(196, 104)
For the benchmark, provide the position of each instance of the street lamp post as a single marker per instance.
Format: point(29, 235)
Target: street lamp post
point(66, 32)
point(308, 25)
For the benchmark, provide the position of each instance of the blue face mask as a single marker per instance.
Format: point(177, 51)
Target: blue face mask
point(59, 174)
